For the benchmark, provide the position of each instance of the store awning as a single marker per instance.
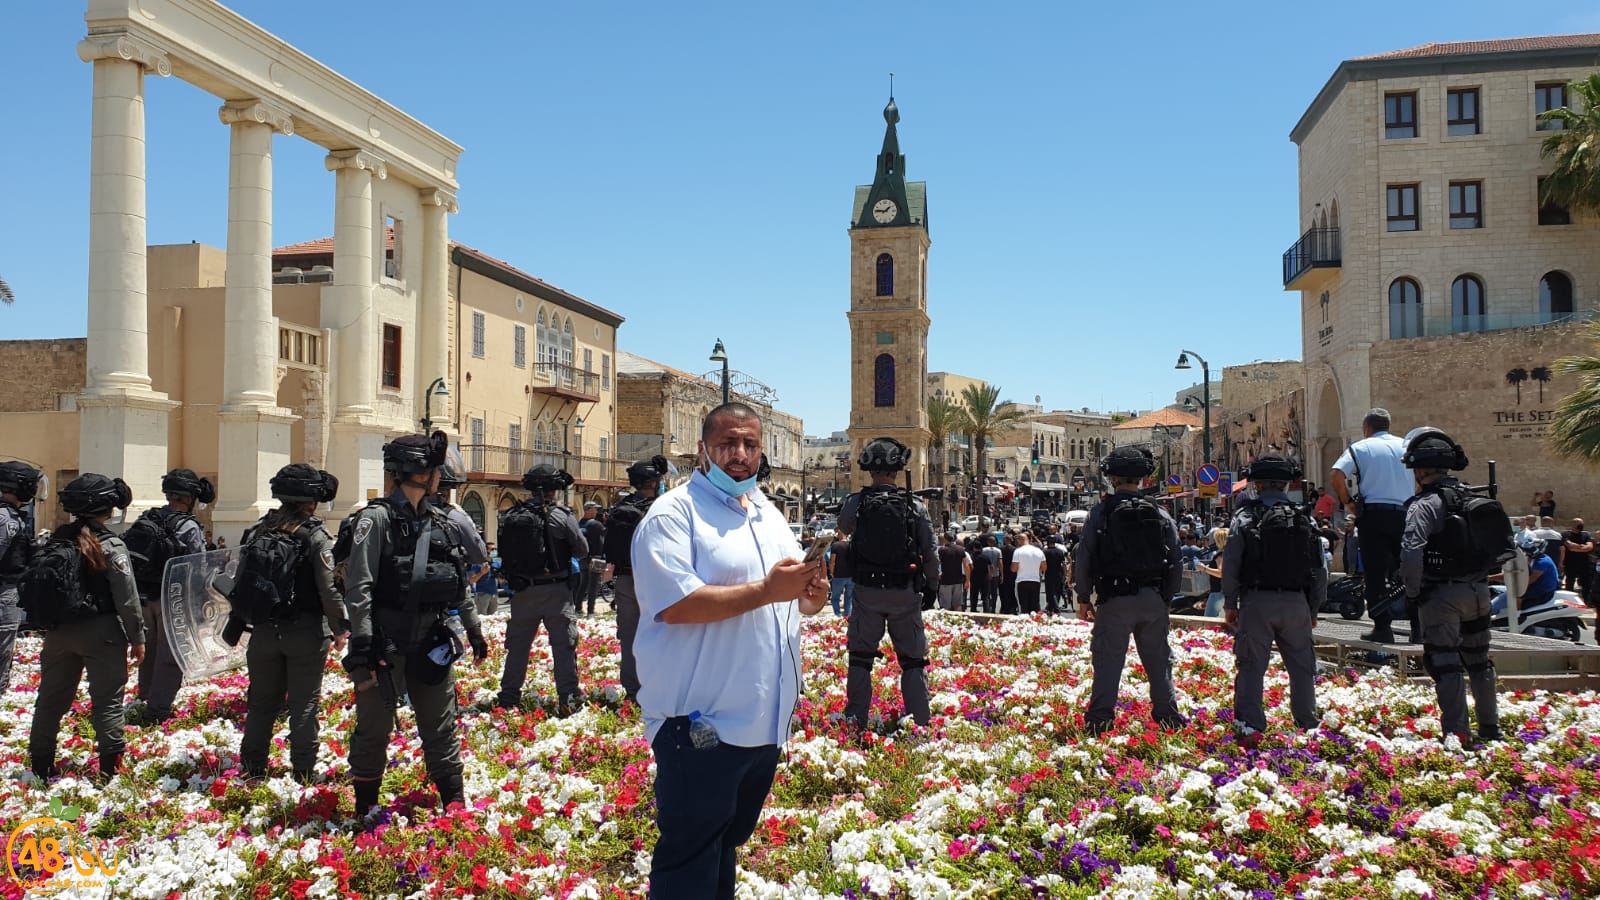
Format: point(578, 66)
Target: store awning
point(1049, 486)
point(1182, 496)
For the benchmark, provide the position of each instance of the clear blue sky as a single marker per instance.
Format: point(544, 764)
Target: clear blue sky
point(1106, 183)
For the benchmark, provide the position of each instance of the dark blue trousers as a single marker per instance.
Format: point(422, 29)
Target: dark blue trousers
point(708, 803)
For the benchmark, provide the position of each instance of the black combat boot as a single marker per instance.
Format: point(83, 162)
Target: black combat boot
point(1381, 633)
point(110, 761)
point(44, 768)
point(366, 796)
point(450, 791)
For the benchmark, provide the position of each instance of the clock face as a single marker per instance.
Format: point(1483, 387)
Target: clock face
point(885, 211)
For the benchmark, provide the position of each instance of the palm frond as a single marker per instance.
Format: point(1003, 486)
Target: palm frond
point(6, 296)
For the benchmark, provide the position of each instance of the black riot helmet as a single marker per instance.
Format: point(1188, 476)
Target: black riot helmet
point(1272, 467)
point(645, 471)
point(1128, 462)
point(884, 454)
point(20, 480)
point(300, 483)
point(90, 495)
point(415, 454)
point(450, 478)
point(185, 483)
point(1433, 449)
point(545, 477)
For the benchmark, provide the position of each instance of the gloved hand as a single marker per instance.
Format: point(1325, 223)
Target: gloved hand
point(930, 598)
point(234, 630)
point(361, 656)
point(480, 647)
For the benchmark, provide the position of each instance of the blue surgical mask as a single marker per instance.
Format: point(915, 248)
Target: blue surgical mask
point(725, 483)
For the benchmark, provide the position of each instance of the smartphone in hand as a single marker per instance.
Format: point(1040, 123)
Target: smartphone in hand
point(819, 546)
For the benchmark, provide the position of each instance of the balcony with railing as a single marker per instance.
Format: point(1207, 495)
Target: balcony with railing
point(505, 465)
point(1313, 261)
point(1471, 324)
point(565, 382)
point(301, 348)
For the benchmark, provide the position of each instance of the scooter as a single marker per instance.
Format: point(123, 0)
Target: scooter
point(1558, 618)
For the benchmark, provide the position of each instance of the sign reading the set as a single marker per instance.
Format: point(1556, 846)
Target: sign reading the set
point(1514, 424)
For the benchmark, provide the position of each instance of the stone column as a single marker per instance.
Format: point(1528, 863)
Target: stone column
point(432, 334)
point(254, 431)
point(356, 438)
point(122, 422)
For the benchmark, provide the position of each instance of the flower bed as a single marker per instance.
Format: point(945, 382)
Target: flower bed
point(1003, 796)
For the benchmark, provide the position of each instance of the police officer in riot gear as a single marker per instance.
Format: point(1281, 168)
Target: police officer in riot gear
point(288, 653)
point(472, 545)
point(1453, 604)
point(896, 577)
point(159, 674)
point(1271, 568)
point(1128, 601)
point(102, 643)
point(405, 573)
point(546, 599)
point(645, 479)
point(18, 484)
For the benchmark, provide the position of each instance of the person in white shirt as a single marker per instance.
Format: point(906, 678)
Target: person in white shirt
point(1027, 561)
point(721, 589)
point(1384, 486)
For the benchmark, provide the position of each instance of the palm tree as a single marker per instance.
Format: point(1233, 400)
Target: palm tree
point(1515, 378)
point(6, 296)
point(944, 420)
point(1543, 376)
point(1575, 431)
point(1575, 180)
point(983, 416)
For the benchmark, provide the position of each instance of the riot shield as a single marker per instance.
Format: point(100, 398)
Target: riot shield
point(195, 611)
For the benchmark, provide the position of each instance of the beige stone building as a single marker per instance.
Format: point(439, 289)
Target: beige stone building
point(660, 410)
point(1430, 275)
point(889, 308)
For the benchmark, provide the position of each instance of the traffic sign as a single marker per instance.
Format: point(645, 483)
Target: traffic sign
point(1174, 484)
point(1207, 474)
point(1225, 484)
point(1207, 491)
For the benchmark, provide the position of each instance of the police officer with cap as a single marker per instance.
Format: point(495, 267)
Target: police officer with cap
point(289, 650)
point(159, 675)
point(1271, 567)
point(472, 544)
point(1130, 573)
point(19, 482)
point(645, 479)
point(406, 572)
point(896, 577)
point(102, 641)
point(1452, 594)
point(545, 598)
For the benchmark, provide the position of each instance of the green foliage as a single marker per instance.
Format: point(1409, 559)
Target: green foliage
point(1576, 429)
point(983, 415)
point(1575, 180)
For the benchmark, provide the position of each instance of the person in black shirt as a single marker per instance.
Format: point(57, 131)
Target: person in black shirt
point(1008, 578)
point(953, 569)
point(1579, 562)
point(1055, 575)
point(587, 585)
point(978, 599)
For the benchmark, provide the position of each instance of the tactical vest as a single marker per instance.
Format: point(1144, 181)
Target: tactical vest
point(15, 560)
point(625, 519)
point(443, 572)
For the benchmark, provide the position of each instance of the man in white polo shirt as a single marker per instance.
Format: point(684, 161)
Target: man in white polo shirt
point(721, 589)
point(1027, 561)
point(1384, 485)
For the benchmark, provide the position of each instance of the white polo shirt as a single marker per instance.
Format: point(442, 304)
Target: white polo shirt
point(1029, 561)
point(741, 674)
point(1383, 477)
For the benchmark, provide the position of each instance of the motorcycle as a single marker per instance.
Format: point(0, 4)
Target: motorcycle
point(1560, 617)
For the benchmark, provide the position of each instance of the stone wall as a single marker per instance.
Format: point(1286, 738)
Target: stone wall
point(1459, 383)
point(1255, 384)
point(34, 375)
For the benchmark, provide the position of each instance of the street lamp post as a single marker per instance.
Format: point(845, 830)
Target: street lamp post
point(439, 387)
point(719, 354)
point(1205, 382)
point(577, 438)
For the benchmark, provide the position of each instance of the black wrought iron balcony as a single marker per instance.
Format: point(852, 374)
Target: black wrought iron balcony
point(1312, 261)
point(565, 381)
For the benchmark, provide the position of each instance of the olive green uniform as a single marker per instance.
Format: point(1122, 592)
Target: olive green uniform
point(401, 635)
point(98, 645)
point(287, 655)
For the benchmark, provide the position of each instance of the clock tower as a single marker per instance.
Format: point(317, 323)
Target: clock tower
point(889, 309)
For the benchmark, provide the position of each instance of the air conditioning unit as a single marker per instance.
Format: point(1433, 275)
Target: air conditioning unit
point(320, 274)
point(288, 275)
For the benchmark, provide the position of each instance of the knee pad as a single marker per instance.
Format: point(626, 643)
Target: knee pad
point(1474, 666)
point(864, 659)
point(1437, 669)
point(907, 663)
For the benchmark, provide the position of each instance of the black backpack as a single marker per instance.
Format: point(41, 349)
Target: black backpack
point(264, 582)
point(1282, 550)
point(1133, 543)
point(1476, 538)
point(53, 591)
point(620, 526)
point(883, 542)
point(524, 541)
point(152, 540)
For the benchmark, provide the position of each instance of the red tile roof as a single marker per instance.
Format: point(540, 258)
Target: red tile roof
point(1507, 45)
point(320, 245)
point(1166, 416)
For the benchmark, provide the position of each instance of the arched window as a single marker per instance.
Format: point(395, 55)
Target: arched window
point(1468, 311)
point(566, 347)
point(1405, 308)
point(472, 505)
point(538, 436)
point(883, 381)
point(885, 275)
point(541, 339)
point(1555, 296)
